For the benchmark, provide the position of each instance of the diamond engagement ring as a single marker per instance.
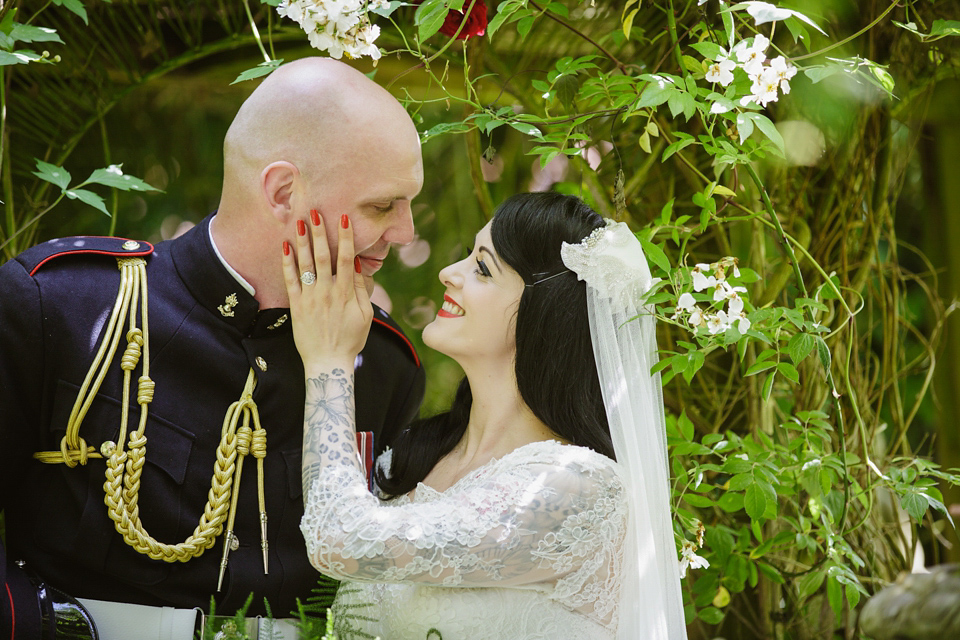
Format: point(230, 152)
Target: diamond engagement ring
point(308, 277)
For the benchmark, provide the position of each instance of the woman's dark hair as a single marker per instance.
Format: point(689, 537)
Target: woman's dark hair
point(555, 369)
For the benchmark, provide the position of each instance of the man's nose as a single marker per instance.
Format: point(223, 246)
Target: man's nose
point(400, 230)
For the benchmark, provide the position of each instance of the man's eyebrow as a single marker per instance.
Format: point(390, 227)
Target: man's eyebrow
point(495, 261)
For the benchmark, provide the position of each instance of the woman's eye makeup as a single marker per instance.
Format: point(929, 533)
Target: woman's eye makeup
point(482, 269)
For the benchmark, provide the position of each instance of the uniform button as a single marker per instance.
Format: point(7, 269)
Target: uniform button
point(261, 363)
point(130, 245)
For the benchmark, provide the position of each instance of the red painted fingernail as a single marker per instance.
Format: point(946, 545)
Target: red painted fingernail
point(344, 221)
point(301, 228)
point(286, 248)
point(315, 217)
point(356, 263)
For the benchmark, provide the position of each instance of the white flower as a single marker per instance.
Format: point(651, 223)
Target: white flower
point(690, 559)
point(701, 281)
point(336, 26)
point(717, 323)
point(735, 306)
point(783, 71)
point(724, 291)
point(721, 71)
point(743, 323)
point(764, 89)
point(751, 57)
point(696, 317)
point(686, 302)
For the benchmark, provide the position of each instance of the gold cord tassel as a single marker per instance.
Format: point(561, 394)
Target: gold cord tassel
point(124, 468)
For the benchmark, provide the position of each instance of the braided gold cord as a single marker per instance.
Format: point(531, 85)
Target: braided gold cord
point(124, 468)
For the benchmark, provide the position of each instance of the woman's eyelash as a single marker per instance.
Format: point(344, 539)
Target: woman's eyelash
point(482, 269)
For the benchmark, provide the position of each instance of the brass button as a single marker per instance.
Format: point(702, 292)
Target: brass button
point(131, 245)
point(261, 363)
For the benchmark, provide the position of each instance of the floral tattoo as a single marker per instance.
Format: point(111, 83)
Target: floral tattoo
point(328, 423)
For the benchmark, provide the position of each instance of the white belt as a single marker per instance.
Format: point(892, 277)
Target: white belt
point(124, 621)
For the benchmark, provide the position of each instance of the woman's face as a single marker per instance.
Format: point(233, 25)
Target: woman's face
point(477, 319)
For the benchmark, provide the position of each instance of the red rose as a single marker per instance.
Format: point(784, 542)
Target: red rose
point(476, 21)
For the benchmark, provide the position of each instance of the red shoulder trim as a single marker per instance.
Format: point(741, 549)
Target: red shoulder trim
point(13, 613)
point(99, 245)
point(400, 335)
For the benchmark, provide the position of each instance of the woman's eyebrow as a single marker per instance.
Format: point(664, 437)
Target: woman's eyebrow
point(493, 257)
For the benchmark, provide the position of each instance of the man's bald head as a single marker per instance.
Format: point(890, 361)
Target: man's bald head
point(311, 113)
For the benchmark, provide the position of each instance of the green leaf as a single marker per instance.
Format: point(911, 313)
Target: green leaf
point(261, 69)
point(765, 125)
point(788, 371)
point(696, 500)
point(731, 502)
point(676, 146)
point(914, 504)
point(24, 56)
point(710, 615)
point(685, 426)
point(444, 127)
point(118, 180)
point(430, 16)
point(754, 502)
point(52, 173)
point(835, 596)
point(810, 583)
point(655, 254)
point(654, 95)
point(744, 126)
point(800, 346)
point(768, 386)
point(88, 197)
point(771, 572)
point(525, 128)
point(740, 481)
point(524, 26)
point(29, 33)
point(75, 6)
point(757, 367)
point(823, 351)
point(628, 23)
point(707, 49)
point(385, 11)
point(943, 28)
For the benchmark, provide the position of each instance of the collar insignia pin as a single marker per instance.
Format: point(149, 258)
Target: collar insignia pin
point(226, 309)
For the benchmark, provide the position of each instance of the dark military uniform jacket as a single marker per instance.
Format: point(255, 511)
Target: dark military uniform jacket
point(54, 301)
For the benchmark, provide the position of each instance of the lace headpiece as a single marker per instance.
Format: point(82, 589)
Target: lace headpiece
point(623, 333)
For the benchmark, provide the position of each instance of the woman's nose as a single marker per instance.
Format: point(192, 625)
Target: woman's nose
point(451, 275)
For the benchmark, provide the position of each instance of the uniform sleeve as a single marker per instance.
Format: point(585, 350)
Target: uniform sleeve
point(559, 523)
point(21, 371)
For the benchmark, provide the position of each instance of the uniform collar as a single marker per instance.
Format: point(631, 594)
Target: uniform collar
point(214, 287)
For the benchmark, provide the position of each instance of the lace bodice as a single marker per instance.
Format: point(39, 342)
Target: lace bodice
point(541, 528)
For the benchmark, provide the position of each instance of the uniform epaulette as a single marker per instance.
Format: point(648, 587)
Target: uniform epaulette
point(36, 257)
point(383, 320)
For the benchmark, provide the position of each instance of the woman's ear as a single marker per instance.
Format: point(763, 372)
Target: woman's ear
point(277, 185)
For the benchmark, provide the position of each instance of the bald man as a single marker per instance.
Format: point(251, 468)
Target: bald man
point(151, 398)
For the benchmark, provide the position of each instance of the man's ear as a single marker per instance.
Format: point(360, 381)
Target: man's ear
point(277, 183)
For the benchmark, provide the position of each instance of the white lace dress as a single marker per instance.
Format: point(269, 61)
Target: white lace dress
point(540, 529)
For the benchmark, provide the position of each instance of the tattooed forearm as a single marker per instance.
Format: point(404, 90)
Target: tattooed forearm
point(329, 435)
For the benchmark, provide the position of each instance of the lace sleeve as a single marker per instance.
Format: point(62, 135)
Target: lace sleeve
point(526, 520)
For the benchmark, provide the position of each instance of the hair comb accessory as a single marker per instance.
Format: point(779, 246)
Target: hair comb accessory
point(623, 332)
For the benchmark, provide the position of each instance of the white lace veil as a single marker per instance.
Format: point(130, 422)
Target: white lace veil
point(623, 332)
